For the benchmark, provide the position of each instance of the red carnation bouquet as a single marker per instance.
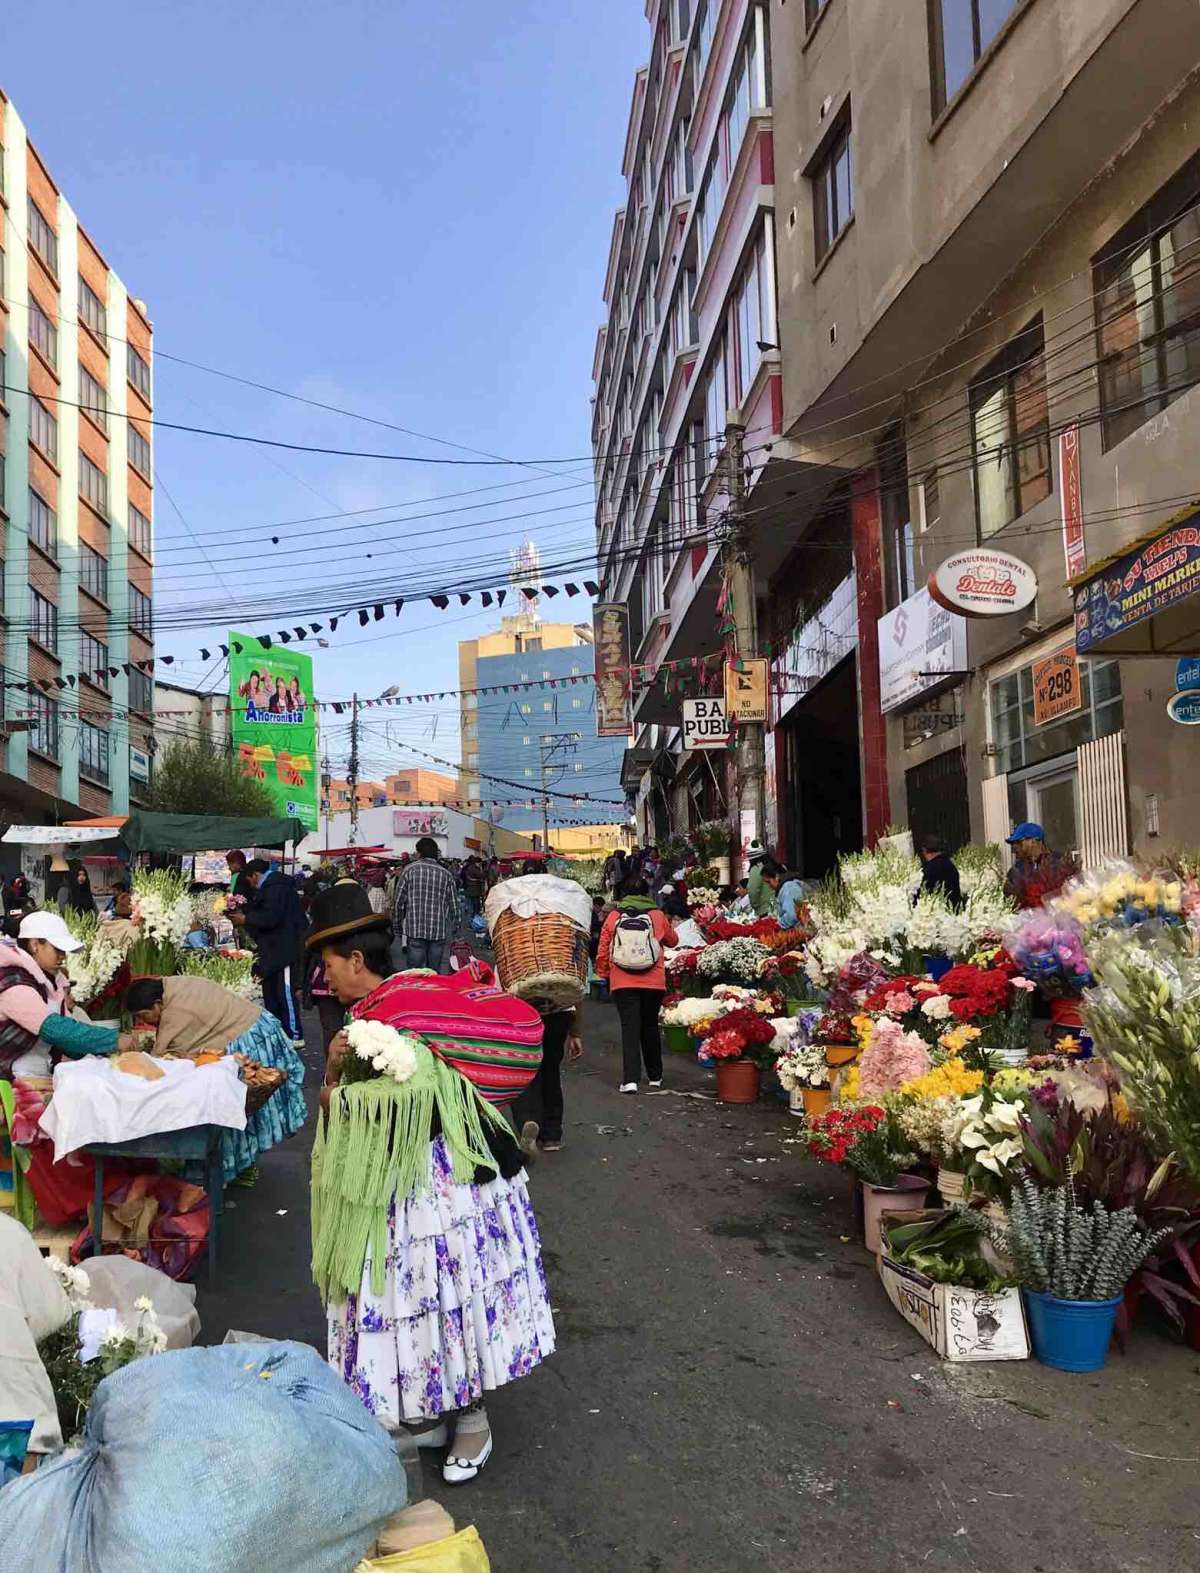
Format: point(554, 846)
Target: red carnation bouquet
point(866, 1141)
point(979, 991)
point(762, 929)
point(741, 1035)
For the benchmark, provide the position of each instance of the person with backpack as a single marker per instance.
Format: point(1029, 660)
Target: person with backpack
point(630, 957)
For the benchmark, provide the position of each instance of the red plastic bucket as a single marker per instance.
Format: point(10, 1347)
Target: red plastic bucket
point(738, 1081)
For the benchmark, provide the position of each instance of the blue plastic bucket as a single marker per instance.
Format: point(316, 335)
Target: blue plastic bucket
point(937, 966)
point(1071, 1335)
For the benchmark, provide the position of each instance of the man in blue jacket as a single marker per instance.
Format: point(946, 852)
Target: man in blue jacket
point(275, 919)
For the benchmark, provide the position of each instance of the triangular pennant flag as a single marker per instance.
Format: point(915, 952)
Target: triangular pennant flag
point(61, 682)
point(549, 589)
point(529, 593)
point(486, 597)
point(463, 598)
point(206, 655)
point(265, 641)
point(571, 589)
point(500, 594)
point(315, 628)
point(364, 617)
point(114, 671)
point(399, 605)
point(337, 709)
point(333, 622)
point(167, 660)
point(591, 587)
point(440, 601)
point(379, 614)
point(299, 632)
point(225, 651)
point(283, 636)
point(71, 682)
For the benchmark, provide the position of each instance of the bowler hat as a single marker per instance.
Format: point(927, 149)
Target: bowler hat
point(345, 908)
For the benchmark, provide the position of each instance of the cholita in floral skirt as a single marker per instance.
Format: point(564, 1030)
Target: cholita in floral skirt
point(464, 1306)
point(425, 1246)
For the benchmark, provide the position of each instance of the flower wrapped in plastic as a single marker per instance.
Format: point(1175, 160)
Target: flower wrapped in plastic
point(892, 1057)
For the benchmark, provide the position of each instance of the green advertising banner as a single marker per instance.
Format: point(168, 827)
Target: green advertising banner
point(275, 723)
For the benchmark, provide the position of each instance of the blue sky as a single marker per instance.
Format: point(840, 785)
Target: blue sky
point(399, 209)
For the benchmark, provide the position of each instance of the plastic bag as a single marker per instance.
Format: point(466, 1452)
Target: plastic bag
point(461, 1553)
point(14, 1444)
point(117, 1281)
point(225, 1460)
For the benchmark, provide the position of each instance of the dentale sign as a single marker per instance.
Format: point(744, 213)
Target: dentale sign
point(983, 583)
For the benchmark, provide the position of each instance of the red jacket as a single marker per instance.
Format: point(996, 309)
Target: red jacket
point(656, 978)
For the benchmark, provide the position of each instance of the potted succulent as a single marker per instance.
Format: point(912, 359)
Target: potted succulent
point(1072, 1266)
point(869, 1143)
point(740, 1044)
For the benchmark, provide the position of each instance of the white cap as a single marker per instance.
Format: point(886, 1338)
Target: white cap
point(49, 926)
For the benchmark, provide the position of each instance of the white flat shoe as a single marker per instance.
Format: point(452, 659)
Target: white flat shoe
point(656, 1083)
point(457, 1471)
point(628, 1086)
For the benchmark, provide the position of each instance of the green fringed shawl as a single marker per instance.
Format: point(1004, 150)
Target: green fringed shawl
point(374, 1144)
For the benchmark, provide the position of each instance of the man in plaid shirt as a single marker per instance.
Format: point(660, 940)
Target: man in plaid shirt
point(427, 908)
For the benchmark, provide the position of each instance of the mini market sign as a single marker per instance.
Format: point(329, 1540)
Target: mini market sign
point(1144, 602)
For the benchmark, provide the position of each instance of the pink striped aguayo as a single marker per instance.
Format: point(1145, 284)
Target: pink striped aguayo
point(490, 1037)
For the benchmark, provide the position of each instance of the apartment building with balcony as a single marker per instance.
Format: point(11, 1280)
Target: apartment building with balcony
point(688, 346)
point(989, 315)
point(76, 507)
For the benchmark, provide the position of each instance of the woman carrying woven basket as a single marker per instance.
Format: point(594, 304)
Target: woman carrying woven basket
point(192, 1015)
point(425, 1246)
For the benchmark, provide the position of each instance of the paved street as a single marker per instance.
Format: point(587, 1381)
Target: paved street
point(732, 1390)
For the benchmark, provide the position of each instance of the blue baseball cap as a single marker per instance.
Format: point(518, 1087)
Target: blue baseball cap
point(1027, 831)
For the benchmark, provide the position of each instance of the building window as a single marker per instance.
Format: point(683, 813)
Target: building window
point(42, 238)
point(526, 709)
point(139, 452)
point(140, 534)
point(93, 572)
point(833, 190)
point(754, 315)
point(812, 10)
point(43, 335)
point(526, 740)
point(139, 371)
point(94, 659)
point(1019, 743)
point(141, 612)
point(92, 312)
point(1010, 433)
point(43, 430)
point(579, 767)
point(43, 735)
point(43, 524)
point(43, 622)
point(547, 704)
point(899, 541)
point(93, 397)
point(141, 694)
point(3, 482)
point(716, 409)
point(93, 484)
point(931, 507)
point(959, 33)
point(1148, 308)
point(93, 752)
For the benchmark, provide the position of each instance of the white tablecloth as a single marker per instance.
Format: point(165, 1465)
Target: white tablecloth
point(94, 1102)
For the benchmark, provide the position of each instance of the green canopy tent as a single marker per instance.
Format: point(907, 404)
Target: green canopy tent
point(182, 833)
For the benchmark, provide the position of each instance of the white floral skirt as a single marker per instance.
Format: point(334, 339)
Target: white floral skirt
point(464, 1307)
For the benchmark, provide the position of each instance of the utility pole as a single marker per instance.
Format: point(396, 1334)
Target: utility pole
point(353, 771)
point(750, 757)
point(327, 794)
point(550, 743)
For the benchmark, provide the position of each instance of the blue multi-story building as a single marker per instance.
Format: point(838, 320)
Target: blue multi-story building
point(542, 739)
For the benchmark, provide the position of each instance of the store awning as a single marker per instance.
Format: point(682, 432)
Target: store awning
point(61, 835)
point(1144, 601)
point(179, 833)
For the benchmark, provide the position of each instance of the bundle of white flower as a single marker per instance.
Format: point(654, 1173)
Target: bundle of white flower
point(76, 1284)
point(703, 896)
point(90, 970)
point(734, 958)
point(692, 1013)
point(391, 1053)
point(828, 952)
point(162, 906)
point(988, 1137)
point(118, 1343)
point(799, 1064)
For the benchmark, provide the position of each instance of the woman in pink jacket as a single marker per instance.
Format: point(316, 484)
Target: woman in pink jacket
point(630, 957)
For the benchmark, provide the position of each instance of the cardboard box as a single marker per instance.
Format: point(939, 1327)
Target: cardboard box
point(958, 1322)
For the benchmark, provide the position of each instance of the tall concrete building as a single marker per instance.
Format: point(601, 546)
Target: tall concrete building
point(983, 232)
point(689, 343)
point(76, 499)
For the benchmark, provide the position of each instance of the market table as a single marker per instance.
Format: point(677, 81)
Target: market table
point(194, 1143)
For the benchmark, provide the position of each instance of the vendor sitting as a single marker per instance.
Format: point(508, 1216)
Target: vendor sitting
point(120, 925)
point(33, 995)
point(194, 1014)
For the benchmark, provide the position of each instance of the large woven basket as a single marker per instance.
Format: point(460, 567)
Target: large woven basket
point(266, 1084)
point(543, 957)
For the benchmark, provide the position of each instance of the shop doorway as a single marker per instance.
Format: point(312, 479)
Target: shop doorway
point(938, 804)
point(1050, 798)
point(821, 788)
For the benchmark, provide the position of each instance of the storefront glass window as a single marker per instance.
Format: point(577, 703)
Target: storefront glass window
point(1019, 743)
